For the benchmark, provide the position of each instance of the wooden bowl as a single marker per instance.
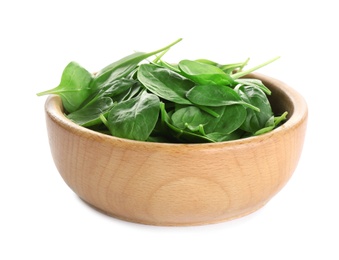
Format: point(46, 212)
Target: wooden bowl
point(179, 184)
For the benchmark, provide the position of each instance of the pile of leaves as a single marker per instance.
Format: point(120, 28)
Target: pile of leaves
point(193, 101)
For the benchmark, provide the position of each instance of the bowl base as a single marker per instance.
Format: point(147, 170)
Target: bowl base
point(173, 224)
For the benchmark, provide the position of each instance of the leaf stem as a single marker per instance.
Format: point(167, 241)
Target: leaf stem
point(158, 57)
point(164, 48)
point(250, 106)
point(244, 64)
point(244, 73)
point(47, 92)
point(103, 120)
point(209, 111)
point(202, 130)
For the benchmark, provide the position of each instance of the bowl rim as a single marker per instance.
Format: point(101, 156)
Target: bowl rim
point(54, 110)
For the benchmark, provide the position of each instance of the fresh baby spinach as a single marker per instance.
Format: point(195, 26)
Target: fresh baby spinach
point(204, 74)
point(176, 134)
point(74, 87)
point(196, 120)
point(135, 118)
point(124, 66)
point(272, 123)
point(90, 115)
point(255, 120)
point(165, 83)
point(216, 96)
point(227, 68)
point(193, 101)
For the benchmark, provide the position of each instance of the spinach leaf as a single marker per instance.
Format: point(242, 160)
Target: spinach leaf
point(167, 65)
point(190, 117)
point(134, 118)
point(254, 83)
point(272, 123)
point(132, 92)
point(117, 87)
point(110, 89)
point(230, 119)
point(227, 68)
point(124, 66)
point(165, 83)
point(176, 134)
point(74, 87)
point(90, 115)
point(222, 137)
point(215, 96)
point(255, 120)
point(204, 74)
point(194, 119)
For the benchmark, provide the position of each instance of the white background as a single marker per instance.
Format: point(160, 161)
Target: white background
point(41, 218)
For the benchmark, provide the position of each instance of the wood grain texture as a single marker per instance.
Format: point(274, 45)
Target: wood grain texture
point(179, 184)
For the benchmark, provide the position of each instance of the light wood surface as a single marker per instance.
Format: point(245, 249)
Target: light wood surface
point(179, 184)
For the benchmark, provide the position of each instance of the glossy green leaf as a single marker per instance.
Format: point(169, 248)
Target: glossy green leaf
point(124, 66)
point(74, 87)
point(165, 83)
point(90, 115)
point(272, 123)
point(222, 137)
point(110, 89)
point(230, 119)
point(204, 74)
point(117, 87)
point(227, 68)
point(254, 83)
point(194, 119)
point(190, 117)
point(167, 65)
point(135, 118)
point(255, 120)
point(206, 61)
point(175, 133)
point(215, 96)
point(131, 92)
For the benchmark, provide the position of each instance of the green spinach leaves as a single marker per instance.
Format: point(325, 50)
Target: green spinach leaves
point(134, 118)
point(74, 87)
point(194, 101)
